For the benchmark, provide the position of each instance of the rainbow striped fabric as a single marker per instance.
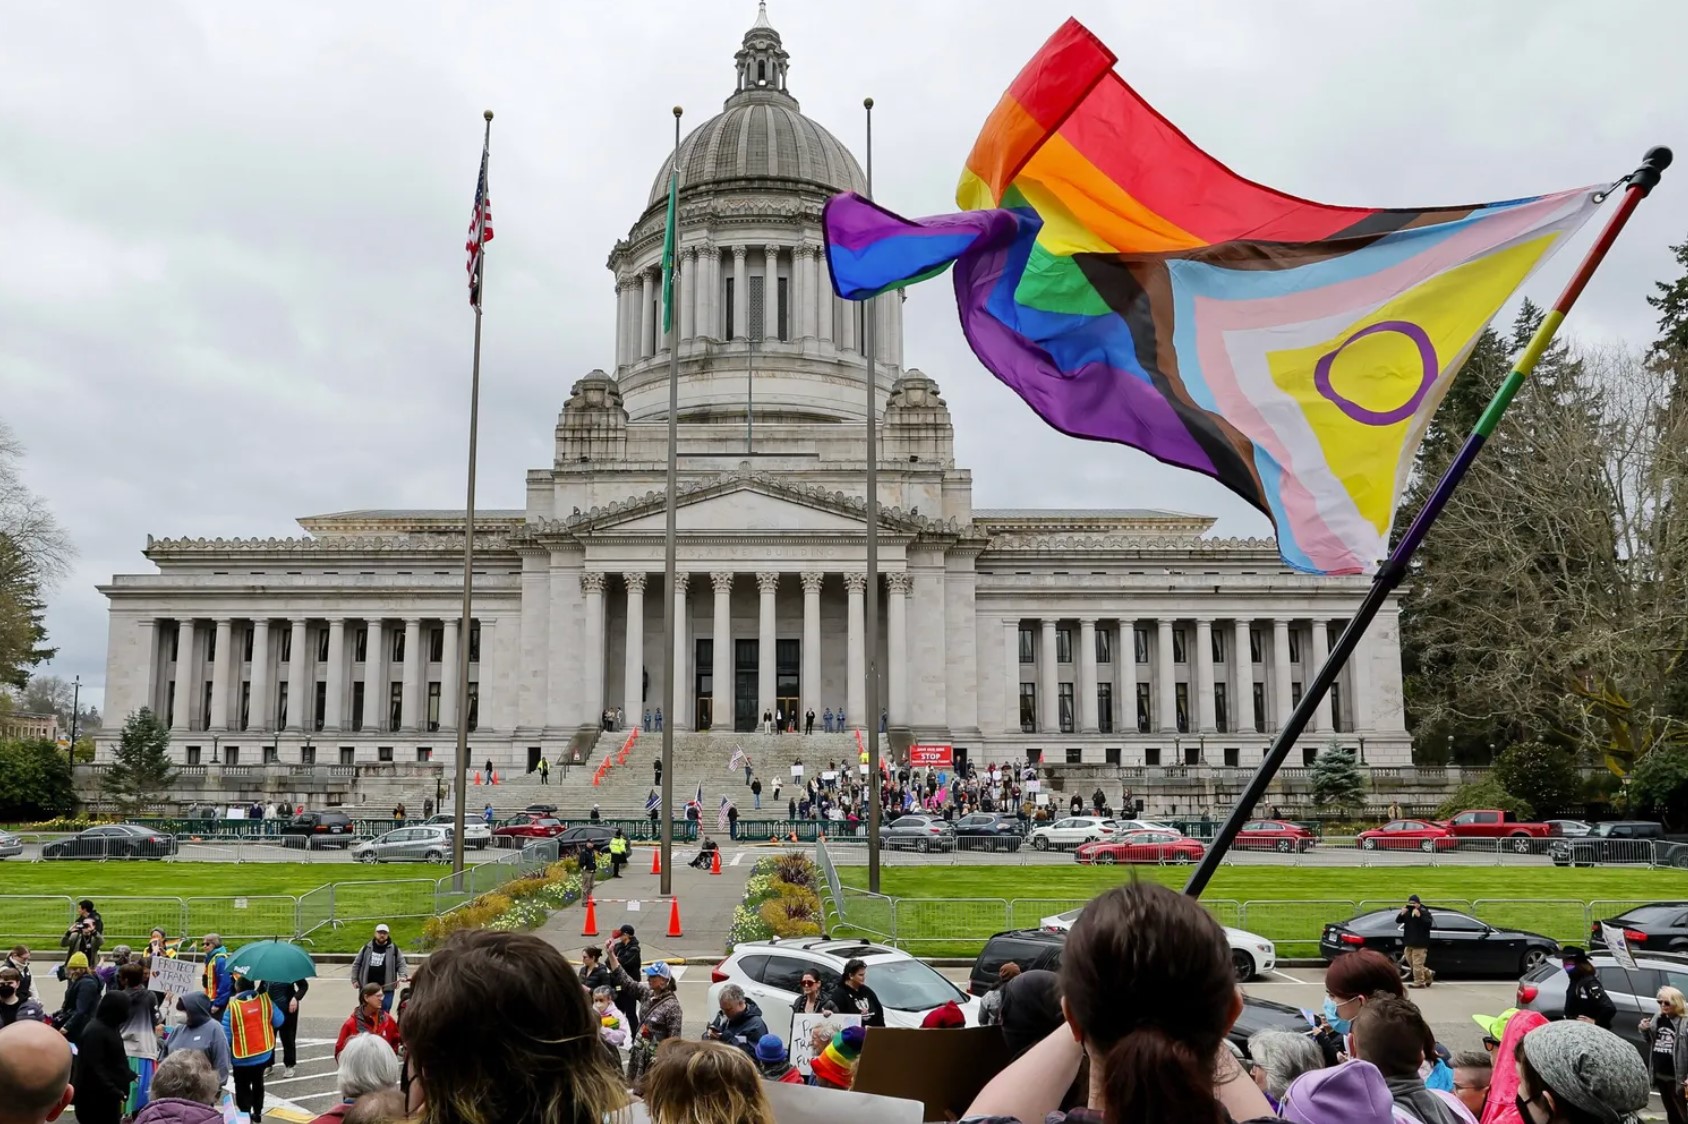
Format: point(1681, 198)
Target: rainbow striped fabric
point(1131, 288)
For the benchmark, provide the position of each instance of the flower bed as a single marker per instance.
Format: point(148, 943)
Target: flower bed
point(523, 903)
point(780, 900)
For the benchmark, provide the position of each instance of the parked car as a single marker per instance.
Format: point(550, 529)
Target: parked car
point(526, 827)
point(1251, 953)
point(1543, 988)
point(1621, 841)
point(541, 809)
point(1655, 927)
point(1568, 829)
point(476, 833)
point(1041, 948)
point(1142, 847)
point(10, 845)
point(1497, 823)
point(1070, 831)
point(989, 831)
point(917, 833)
point(1408, 835)
point(112, 841)
point(1460, 945)
point(1274, 835)
point(770, 973)
point(427, 843)
point(1121, 826)
point(570, 842)
point(312, 830)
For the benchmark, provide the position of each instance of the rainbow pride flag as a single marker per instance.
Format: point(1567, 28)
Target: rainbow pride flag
point(1131, 288)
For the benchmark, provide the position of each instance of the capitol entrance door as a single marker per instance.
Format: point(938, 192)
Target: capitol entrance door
point(788, 656)
point(746, 710)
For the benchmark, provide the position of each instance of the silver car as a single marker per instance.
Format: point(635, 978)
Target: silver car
point(1543, 988)
point(429, 843)
point(477, 833)
point(10, 845)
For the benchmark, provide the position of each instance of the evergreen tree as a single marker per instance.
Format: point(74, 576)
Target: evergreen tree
point(1336, 779)
point(140, 771)
point(1543, 775)
point(1671, 302)
point(22, 615)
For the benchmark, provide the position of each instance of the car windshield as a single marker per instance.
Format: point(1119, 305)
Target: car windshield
point(1652, 914)
point(909, 985)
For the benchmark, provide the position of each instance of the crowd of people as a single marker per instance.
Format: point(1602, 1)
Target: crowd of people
point(840, 793)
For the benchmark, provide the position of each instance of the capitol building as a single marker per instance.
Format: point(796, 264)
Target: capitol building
point(1097, 637)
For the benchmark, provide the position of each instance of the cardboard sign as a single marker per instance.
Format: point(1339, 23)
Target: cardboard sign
point(1043, 800)
point(175, 977)
point(807, 1104)
point(1033, 785)
point(1615, 940)
point(931, 756)
point(802, 1030)
point(797, 772)
point(942, 1069)
point(829, 776)
point(862, 769)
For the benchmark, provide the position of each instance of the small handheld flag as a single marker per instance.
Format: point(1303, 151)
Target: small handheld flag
point(721, 813)
point(653, 801)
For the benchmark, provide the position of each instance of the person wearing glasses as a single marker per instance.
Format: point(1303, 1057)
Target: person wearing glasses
point(810, 999)
point(1667, 1052)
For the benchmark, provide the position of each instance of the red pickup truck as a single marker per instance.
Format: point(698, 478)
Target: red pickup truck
point(1492, 823)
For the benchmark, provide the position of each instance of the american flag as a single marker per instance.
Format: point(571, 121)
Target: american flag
point(721, 813)
point(697, 801)
point(480, 232)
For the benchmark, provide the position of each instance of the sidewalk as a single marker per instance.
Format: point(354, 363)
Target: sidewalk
point(706, 907)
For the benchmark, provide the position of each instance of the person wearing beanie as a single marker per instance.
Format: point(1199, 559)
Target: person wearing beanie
point(773, 1061)
point(1572, 1071)
point(835, 1066)
point(81, 997)
point(947, 1017)
point(1351, 1093)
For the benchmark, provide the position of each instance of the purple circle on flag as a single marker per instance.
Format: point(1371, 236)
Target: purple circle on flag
point(1427, 376)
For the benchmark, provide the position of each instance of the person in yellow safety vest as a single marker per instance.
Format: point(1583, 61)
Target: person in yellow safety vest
point(618, 853)
point(250, 1022)
point(214, 977)
point(862, 757)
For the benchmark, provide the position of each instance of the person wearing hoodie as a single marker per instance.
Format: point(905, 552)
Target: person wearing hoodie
point(852, 996)
point(199, 1031)
point(1392, 1035)
point(1351, 1093)
point(140, 1033)
point(1666, 1036)
point(13, 1006)
point(251, 1021)
point(1571, 1072)
point(184, 1091)
point(1502, 1105)
point(739, 1022)
point(81, 996)
point(773, 1061)
point(102, 1071)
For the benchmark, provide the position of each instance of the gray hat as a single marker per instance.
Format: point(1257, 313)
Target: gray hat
point(1591, 1068)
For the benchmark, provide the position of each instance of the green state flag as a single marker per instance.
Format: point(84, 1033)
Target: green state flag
point(668, 250)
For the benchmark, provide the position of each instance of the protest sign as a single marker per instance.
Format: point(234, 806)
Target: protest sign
point(176, 977)
point(1619, 946)
point(802, 1031)
point(806, 1104)
point(931, 756)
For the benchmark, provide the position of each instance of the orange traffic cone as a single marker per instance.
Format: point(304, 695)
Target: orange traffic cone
point(590, 928)
point(715, 862)
point(494, 778)
point(656, 860)
point(674, 918)
point(477, 778)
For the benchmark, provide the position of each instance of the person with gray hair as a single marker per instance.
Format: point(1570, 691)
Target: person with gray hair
point(740, 1022)
point(367, 1065)
point(1572, 1072)
point(184, 1091)
point(1280, 1056)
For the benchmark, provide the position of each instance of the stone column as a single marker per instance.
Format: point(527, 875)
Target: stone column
point(1011, 673)
point(334, 712)
point(824, 301)
point(1281, 699)
point(297, 707)
point(1322, 721)
point(220, 674)
point(722, 648)
point(448, 674)
point(847, 335)
point(709, 291)
point(620, 323)
point(812, 580)
point(767, 584)
point(260, 714)
point(375, 677)
point(410, 707)
point(592, 646)
point(741, 301)
point(681, 718)
point(1166, 677)
point(1089, 717)
point(802, 303)
point(1202, 717)
point(633, 671)
point(1048, 676)
point(181, 714)
point(855, 655)
point(1242, 659)
point(896, 656)
point(687, 314)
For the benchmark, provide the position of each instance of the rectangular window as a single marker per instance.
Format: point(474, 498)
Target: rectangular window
point(1151, 755)
point(246, 706)
point(434, 705)
point(1064, 644)
point(727, 305)
point(1181, 697)
point(1294, 694)
point(1143, 712)
point(395, 705)
point(1105, 708)
point(205, 709)
point(307, 755)
point(348, 756)
point(272, 755)
point(281, 706)
point(211, 646)
point(1295, 645)
point(1028, 708)
point(788, 660)
point(320, 710)
point(436, 645)
point(384, 754)
point(474, 641)
point(424, 754)
point(1336, 708)
point(287, 646)
point(246, 643)
point(193, 755)
point(1218, 646)
point(1140, 643)
point(360, 644)
point(1259, 707)
point(755, 306)
point(1178, 653)
point(1028, 646)
point(1221, 708)
point(1233, 756)
point(398, 645)
point(322, 645)
point(1193, 754)
point(781, 306)
point(474, 715)
point(1104, 645)
point(357, 706)
point(232, 755)
point(1308, 752)
point(1110, 755)
point(1255, 643)
point(1075, 755)
point(176, 644)
point(1064, 700)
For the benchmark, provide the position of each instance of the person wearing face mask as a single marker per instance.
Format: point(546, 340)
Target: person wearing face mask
point(1585, 999)
point(199, 1031)
point(13, 1005)
point(1573, 1072)
point(1350, 981)
point(18, 961)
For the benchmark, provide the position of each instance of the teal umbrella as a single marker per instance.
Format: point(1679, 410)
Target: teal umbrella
point(272, 962)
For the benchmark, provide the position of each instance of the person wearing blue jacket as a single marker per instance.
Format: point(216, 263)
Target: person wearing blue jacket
point(250, 1022)
point(214, 977)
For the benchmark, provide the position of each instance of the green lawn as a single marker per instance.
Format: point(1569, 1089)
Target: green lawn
point(950, 910)
point(238, 900)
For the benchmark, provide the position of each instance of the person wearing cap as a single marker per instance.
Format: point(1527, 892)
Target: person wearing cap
point(1585, 999)
point(773, 1060)
point(81, 997)
point(1572, 1072)
point(1494, 1028)
point(835, 1066)
point(380, 962)
point(626, 948)
point(1415, 922)
point(661, 1018)
point(947, 1017)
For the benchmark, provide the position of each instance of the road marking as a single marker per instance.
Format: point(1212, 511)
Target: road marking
point(738, 858)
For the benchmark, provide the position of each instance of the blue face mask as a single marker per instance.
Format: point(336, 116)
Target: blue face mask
point(1336, 1021)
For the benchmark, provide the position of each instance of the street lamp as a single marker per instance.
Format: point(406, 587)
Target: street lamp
point(1362, 749)
point(215, 740)
point(75, 713)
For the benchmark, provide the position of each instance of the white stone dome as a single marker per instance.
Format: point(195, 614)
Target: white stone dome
point(761, 135)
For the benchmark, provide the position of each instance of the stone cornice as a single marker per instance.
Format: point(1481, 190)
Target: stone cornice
point(1192, 545)
point(334, 544)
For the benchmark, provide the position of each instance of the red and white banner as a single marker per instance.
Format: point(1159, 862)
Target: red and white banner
point(931, 756)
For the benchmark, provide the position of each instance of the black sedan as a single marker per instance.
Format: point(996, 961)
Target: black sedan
point(1460, 945)
point(917, 833)
point(112, 841)
point(572, 840)
point(989, 831)
point(1654, 927)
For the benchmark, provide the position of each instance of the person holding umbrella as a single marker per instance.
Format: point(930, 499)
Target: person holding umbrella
point(287, 995)
point(284, 967)
point(250, 1020)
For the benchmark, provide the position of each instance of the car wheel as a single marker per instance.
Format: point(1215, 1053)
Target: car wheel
point(1369, 844)
point(1286, 845)
point(1521, 844)
point(1184, 858)
point(1106, 859)
point(1040, 842)
point(1428, 846)
point(1242, 965)
point(925, 846)
point(366, 857)
point(433, 857)
point(1405, 968)
point(1533, 958)
point(1680, 862)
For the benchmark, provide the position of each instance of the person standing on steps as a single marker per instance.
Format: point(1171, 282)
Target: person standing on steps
point(659, 720)
point(489, 770)
point(647, 721)
point(826, 720)
point(732, 821)
point(747, 765)
point(544, 770)
point(756, 793)
point(1415, 923)
point(656, 772)
point(882, 720)
point(809, 721)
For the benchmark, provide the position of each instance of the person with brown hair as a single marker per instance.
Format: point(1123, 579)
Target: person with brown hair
point(1149, 995)
point(1390, 1033)
point(990, 1004)
point(369, 1018)
point(705, 1083)
point(1351, 980)
point(498, 1031)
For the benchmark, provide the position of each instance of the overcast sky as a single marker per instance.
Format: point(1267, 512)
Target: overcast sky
point(233, 290)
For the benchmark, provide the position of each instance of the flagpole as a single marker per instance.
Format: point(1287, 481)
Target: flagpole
point(871, 602)
point(668, 544)
point(1394, 569)
point(459, 795)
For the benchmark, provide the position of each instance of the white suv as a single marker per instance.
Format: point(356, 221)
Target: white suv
point(1071, 831)
point(1251, 954)
point(770, 972)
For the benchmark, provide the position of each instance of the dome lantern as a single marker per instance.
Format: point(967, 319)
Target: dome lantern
point(762, 61)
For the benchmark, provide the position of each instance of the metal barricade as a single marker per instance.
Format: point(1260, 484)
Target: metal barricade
point(36, 919)
point(382, 901)
point(1293, 926)
point(954, 926)
point(314, 909)
point(258, 917)
point(131, 920)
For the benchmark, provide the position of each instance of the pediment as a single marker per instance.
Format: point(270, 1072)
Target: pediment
point(742, 509)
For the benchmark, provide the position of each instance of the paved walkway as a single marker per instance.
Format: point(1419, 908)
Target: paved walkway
point(706, 906)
